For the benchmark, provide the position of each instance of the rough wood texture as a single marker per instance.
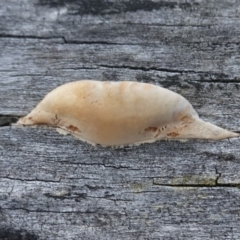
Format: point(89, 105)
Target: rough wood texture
point(56, 187)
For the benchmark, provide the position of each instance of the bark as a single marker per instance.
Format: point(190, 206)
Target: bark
point(56, 187)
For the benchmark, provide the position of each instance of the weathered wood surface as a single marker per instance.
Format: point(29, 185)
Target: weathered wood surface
point(56, 187)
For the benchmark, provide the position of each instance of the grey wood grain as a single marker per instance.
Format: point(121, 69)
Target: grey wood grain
point(55, 63)
point(57, 187)
point(62, 188)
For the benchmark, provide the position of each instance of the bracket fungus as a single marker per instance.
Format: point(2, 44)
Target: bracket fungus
point(121, 113)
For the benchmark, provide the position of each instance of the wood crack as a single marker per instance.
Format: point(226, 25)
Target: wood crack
point(30, 37)
point(227, 185)
point(147, 69)
point(194, 185)
point(217, 177)
point(32, 180)
point(8, 120)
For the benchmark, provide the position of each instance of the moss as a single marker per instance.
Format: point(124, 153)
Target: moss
point(198, 180)
point(189, 180)
point(138, 187)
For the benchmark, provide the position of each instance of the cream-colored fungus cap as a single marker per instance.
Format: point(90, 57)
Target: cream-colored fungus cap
point(121, 113)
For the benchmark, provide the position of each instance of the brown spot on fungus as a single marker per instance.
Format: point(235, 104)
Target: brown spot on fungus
point(173, 134)
point(56, 121)
point(187, 119)
point(73, 128)
point(158, 133)
point(151, 129)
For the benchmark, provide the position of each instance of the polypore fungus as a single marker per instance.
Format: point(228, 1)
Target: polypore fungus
point(121, 113)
